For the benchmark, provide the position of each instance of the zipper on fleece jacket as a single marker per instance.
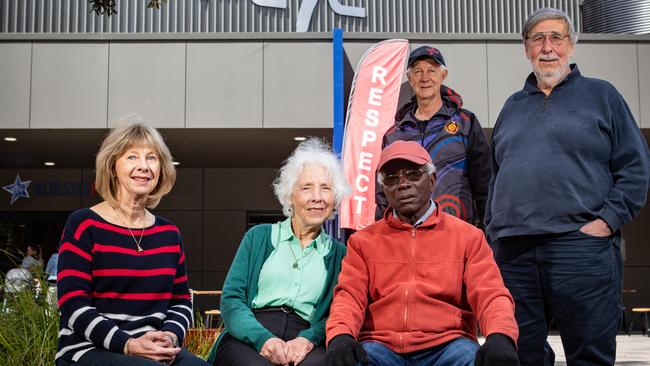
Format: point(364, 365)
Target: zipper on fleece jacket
point(422, 126)
point(406, 292)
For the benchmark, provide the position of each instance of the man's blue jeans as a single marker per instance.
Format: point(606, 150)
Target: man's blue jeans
point(459, 352)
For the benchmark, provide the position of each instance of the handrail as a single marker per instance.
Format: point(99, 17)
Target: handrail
point(206, 292)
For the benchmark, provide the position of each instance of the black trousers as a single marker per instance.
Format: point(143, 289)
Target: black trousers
point(573, 278)
point(284, 325)
point(101, 357)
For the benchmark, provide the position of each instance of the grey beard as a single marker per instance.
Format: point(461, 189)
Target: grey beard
point(550, 79)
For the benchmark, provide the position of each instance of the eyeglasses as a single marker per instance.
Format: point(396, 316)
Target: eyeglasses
point(412, 175)
point(538, 39)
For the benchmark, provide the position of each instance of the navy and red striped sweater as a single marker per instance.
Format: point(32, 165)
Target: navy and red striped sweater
point(108, 292)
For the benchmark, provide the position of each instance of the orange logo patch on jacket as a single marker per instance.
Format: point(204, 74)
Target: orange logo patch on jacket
point(452, 128)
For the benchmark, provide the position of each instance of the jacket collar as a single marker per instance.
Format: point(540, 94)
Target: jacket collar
point(531, 82)
point(285, 234)
point(396, 223)
point(451, 102)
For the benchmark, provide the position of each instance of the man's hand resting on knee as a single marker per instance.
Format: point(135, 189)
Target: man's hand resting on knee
point(343, 350)
point(498, 350)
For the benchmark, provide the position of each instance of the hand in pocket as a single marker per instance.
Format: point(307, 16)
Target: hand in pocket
point(596, 228)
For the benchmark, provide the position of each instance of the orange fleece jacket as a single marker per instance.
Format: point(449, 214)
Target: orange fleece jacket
point(414, 288)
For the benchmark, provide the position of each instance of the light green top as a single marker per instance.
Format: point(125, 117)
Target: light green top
point(281, 283)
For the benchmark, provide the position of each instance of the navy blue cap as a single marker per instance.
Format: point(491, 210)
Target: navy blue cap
point(426, 52)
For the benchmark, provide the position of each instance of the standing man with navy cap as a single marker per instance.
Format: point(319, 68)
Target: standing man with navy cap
point(451, 134)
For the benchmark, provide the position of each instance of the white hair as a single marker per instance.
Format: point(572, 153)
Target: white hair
point(429, 168)
point(312, 151)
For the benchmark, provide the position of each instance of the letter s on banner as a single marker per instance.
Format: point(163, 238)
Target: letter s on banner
point(374, 98)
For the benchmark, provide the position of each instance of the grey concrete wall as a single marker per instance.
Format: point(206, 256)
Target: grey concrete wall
point(170, 84)
point(260, 83)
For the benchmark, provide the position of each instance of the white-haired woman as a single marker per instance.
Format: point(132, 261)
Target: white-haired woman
point(122, 284)
point(277, 294)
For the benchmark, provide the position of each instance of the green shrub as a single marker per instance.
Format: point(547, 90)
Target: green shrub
point(29, 326)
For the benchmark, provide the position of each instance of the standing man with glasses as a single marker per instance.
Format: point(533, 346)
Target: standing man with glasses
point(453, 136)
point(570, 167)
point(414, 284)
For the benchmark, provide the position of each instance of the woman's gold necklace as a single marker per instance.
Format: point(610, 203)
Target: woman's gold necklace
point(137, 241)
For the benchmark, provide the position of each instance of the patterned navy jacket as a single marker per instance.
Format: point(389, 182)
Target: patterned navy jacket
point(459, 151)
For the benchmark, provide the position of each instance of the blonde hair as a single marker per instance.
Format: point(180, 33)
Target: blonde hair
point(122, 137)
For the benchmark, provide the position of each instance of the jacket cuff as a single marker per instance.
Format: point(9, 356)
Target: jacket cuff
point(118, 341)
point(611, 218)
point(338, 330)
point(509, 337)
point(174, 329)
point(312, 336)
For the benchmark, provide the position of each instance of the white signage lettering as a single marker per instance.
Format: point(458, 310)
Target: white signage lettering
point(307, 7)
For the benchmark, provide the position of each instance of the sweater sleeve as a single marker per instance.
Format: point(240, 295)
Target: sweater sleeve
point(628, 165)
point(479, 168)
point(350, 295)
point(487, 218)
point(75, 290)
point(486, 293)
point(179, 315)
point(235, 310)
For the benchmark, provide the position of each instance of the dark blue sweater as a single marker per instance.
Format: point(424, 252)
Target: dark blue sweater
point(562, 160)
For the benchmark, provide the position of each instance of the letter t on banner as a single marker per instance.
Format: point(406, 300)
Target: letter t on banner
point(371, 112)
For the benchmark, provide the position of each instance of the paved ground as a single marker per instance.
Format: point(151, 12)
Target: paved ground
point(630, 350)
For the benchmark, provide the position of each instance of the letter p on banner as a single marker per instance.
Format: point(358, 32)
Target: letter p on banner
point(375, 92)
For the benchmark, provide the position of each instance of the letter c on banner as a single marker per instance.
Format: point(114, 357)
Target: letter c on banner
point(357, 183)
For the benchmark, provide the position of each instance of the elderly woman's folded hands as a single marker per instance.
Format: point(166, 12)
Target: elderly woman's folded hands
point(292, 352)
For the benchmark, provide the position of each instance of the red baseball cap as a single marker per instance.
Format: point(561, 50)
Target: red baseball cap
point(405, 150)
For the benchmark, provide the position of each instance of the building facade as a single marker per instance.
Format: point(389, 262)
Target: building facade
point(230, 84)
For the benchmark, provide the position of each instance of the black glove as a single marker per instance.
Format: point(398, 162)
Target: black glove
point(498, 350)
point(343, 350)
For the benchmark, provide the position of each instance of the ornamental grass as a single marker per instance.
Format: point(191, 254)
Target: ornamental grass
point(29, 325)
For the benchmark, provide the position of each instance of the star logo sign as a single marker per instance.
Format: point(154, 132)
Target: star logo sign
point(18, 189)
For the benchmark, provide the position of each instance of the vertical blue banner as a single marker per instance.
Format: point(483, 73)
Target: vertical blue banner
point(332, 226)
point(339, 112)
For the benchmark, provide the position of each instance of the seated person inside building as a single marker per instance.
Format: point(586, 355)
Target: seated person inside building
point(278, 290)
point(414, 283)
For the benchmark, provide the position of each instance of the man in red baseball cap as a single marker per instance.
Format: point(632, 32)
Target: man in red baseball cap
point(414, 283)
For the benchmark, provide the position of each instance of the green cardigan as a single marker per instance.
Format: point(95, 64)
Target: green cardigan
point(240, 288)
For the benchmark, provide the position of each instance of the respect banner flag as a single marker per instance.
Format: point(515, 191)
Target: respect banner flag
point(371, 112)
